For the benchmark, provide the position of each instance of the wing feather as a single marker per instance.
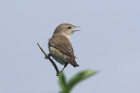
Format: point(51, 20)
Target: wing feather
point(63, 45)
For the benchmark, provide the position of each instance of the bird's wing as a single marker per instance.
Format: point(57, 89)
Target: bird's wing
point(62, 44)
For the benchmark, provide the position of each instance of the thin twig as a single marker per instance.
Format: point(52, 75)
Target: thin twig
point(47, 56)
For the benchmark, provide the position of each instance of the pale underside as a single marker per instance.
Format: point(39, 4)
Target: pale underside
point(59, 57)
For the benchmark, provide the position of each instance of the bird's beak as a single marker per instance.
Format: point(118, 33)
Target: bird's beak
point(76, 29)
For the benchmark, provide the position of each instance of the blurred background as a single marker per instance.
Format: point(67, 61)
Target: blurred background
point(109, 42)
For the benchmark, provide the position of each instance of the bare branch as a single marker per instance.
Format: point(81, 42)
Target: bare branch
point(47, 56)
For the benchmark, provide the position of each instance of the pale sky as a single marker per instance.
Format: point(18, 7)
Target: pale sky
point(109, 42)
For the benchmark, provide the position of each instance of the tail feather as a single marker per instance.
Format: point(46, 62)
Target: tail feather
point(73, 62)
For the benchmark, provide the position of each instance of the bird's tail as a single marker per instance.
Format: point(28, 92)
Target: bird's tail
point(73, 62)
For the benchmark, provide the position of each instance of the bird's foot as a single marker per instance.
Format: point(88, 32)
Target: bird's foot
point(47, 57)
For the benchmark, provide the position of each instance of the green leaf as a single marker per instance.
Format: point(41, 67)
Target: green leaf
point(62, 81)
point(79, 77)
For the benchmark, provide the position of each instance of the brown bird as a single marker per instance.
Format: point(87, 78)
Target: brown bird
point(60, 47)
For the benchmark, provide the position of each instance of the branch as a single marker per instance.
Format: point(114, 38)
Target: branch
point(47, 56)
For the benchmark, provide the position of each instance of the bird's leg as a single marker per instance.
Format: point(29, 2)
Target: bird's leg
point(65, 65)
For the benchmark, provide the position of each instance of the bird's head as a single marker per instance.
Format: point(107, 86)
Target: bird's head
point(65, 29)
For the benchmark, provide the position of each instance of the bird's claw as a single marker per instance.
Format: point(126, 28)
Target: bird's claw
point(46, 57)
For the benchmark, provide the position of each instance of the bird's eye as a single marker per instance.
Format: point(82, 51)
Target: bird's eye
point(69, 27)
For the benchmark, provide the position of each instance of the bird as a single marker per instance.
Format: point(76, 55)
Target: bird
point(60, 47)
